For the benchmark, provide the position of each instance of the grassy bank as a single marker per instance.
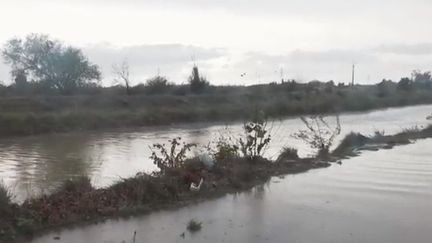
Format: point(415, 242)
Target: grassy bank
point(27, 115)
point(77, 202)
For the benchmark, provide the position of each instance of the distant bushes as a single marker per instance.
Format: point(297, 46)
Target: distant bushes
point(160, 103)
point(197, 82)
point(157, 85)
point(288, 153)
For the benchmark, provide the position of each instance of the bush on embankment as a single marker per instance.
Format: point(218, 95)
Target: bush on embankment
point(26, 115)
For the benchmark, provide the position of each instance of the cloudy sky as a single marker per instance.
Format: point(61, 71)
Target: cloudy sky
point(266, 39)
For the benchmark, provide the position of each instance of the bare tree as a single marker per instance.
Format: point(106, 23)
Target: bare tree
point(122, 74)
point(318, 133)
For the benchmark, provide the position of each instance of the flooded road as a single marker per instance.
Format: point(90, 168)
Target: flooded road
point(34, 165)
point(382, 196)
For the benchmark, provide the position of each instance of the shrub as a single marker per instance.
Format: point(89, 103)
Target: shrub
point(157, 85)
point(288, 153)
point(197, 82)
point(193, 164)
point(256, 140)
point(383, 88)
point(194, 226)
point(82, 183)
point(26, 226)
point(5, 198)
point(225, 149)
point(174, 157)
point(422, 79)
point(318, 133)
point(405, 84)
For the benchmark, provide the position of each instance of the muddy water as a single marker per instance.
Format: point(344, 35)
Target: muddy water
point(34, 165)
point(382, 196)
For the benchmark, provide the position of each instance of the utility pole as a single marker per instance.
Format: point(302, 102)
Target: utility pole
point(353, 75)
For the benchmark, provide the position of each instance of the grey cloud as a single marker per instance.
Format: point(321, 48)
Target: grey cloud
point(173, 60)
point(403, 49)
point(329, 56)
point(145, 60)
point(152, 54)
point(311, 8)
point(301, 65)
point(221, 67)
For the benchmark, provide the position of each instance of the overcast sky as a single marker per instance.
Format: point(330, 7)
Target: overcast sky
point(307, 39)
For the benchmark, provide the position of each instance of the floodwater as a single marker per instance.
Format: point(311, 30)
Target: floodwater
point(383, 196)
point(33, 165)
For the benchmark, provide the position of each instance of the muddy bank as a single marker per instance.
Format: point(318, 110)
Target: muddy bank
point(78, 203)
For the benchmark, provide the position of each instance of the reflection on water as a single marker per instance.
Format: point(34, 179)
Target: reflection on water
point(382, 196)
point(36, 164)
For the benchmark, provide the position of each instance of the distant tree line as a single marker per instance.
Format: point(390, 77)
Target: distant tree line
point(43, 65)
point(418, 81)
point(49, 63)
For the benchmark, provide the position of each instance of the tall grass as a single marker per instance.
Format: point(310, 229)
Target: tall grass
point(26, 115)
point(5, 198)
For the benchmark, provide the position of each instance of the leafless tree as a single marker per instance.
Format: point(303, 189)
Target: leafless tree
point(318, 133)
point(122, 74)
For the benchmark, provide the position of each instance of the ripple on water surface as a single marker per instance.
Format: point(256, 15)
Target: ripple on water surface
point(366, 199)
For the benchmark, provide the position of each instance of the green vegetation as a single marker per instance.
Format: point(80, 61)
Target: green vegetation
point(7, 212)
point(56, 89)
point(197, 82)
point(5, 198)
point(288, 153)
point(49, 63)
point(172, 158)
point(353, 143)
point(111, 108)
point(157, 85)
point(194, 226)
point(256, 139)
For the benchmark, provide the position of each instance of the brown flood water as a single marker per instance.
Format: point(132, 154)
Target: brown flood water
point(379, 197)
point(34, 165)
